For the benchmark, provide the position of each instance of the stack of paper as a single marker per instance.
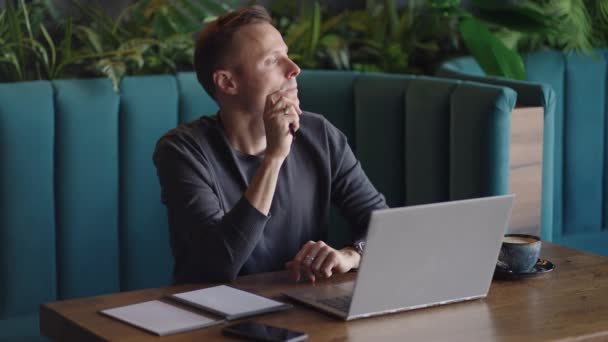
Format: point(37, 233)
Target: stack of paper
point(163, 318)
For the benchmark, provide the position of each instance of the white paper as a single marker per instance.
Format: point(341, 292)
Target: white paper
point(227, 300)
point(159, 317)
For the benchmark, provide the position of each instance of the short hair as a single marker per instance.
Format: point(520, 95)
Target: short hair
point(214, 42)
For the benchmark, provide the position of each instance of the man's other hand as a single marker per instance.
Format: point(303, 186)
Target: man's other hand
point(319, 260)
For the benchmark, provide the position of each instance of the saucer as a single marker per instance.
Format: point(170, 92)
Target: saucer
point(542, 266)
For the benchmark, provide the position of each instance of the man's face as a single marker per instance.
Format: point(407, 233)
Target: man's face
point(263, 66)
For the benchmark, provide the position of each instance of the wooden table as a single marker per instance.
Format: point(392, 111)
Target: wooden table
point(569, 303)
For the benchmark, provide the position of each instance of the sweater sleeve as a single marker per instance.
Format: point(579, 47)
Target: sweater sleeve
point(351, 191)
point(208, 243)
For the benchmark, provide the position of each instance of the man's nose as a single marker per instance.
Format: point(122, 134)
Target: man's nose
point(293, 69)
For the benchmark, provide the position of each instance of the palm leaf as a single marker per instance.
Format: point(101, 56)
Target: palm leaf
point(113, 69)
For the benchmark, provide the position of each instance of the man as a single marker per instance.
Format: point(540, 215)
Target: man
point(249, 189)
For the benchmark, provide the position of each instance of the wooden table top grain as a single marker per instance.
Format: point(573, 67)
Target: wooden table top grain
point(569, 303)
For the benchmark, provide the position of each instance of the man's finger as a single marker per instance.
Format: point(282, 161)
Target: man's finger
point(331, 261)
point(320, 260)
point(293, 103)
point(294, 270)
point(314, 249)
point(308, 273)
point(282, 104)
point(303, 251)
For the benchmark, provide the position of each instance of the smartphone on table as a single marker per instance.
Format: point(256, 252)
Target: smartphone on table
point(262, 332)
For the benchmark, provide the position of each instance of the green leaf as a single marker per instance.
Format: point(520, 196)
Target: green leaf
point(91, 37)
point(49, 41)
point(315, 26)
point(26, 18)
point(162, 26)
point(51, 9)
point(295, 34)
point(392, 17)
point(181, 22)
point(491, 54)
point(65, 47)
point(3, 26)
point(129, 10)
point(521, 19)
point(333, 22)
point(196, 11)
point(113, 69)
point(105, 25)
point(15, 34)
point(40, 51)
point(216, 7)
point(13, 60)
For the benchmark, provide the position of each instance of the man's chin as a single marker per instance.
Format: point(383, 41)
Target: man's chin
point(292, 94)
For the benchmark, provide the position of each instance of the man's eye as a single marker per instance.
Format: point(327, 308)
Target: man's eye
point(271, 60)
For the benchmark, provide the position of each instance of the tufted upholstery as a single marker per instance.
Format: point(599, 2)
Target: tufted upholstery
point(80, 211)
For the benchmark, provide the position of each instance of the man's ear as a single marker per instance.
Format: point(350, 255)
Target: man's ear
point(224, 82)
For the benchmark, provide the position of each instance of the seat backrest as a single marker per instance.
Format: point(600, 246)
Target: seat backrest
point(575, 186)
point(80, 210)
point(424, 140)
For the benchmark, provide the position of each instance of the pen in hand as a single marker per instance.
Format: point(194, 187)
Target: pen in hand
point(292, 131)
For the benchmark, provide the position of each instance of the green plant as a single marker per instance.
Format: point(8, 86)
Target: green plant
point(25, 41)
point(149, 36)
point(362, 39)
point(560, 24)
point(314, 42)
point(383, 37)
point(403, 41)
point(598, 10)
point(156, 36)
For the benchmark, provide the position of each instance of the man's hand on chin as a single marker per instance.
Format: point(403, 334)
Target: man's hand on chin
point(319, 260)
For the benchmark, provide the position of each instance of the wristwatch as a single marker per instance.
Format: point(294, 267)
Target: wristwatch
point(359, 246)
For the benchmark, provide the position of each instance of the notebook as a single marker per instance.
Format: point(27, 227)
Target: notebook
point(229, 302)
point(160, 318)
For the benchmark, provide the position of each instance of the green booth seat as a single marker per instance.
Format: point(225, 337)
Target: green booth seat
point(80, 209)
point(572, 89)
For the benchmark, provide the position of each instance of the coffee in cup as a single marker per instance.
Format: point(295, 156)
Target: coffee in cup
point(519, 252)
point(519, 239)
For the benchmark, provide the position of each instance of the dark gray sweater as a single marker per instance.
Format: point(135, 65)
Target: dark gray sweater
point(217, 235)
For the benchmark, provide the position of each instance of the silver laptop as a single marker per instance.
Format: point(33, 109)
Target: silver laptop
point(420, 256)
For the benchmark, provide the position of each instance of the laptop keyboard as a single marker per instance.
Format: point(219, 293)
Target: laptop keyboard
point(341, 303)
